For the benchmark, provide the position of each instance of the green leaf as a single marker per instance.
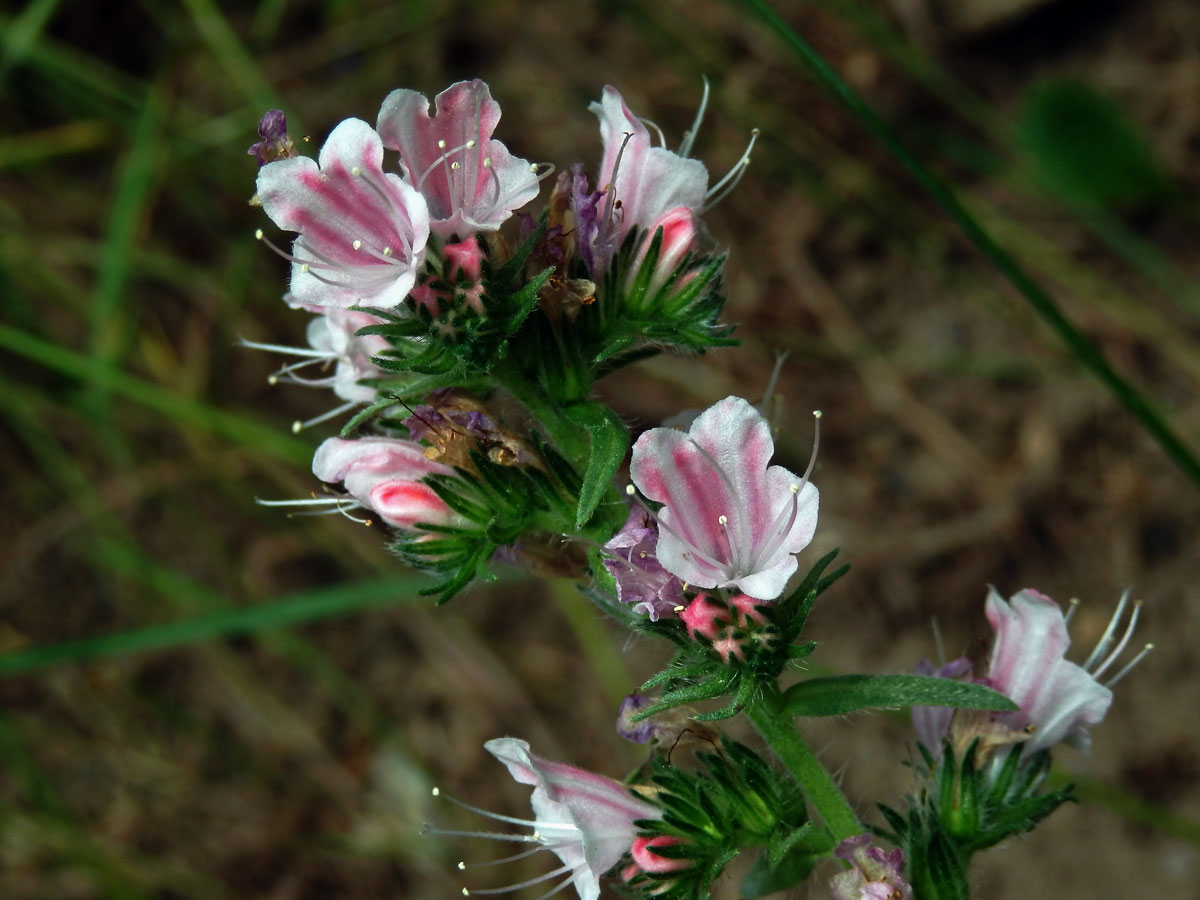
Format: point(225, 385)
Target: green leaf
point(278, 613)
point(848, 693)
point(765, 878)
point(1085, 149)
point(783, 842)
point(610, 442)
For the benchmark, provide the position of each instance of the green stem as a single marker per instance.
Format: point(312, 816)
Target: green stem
point(1083, 348)
point(779, 731)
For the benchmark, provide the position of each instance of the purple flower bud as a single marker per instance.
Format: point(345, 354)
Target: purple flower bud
point(632, 563)
point(639, 732)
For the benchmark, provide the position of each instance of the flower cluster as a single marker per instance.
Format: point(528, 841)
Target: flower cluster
point(467, 334)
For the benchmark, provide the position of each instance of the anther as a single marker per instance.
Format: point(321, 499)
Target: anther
point(356, 171)
point(487, 162)
point(441, 145)
point(297, 427)
point(455, 166)
point(387, 251)
point(462, 866)
point(436, 792)
point(470, 144)
point(466, 893)
point(722, 520)
point(630, 490)
point(357, 245)
point(258, 234)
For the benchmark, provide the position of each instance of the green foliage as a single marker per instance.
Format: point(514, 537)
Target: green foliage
point(1084, 148)
point(500, 503)
point(609, 443)
point(849, 693)
point(966, 805)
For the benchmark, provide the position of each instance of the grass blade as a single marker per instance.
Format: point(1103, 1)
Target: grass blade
point(1083, 348)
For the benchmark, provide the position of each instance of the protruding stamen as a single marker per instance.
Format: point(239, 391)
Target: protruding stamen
point(509, 819)
point(1129, 665)
point(279, 348)
point(1073, 604)
point(1112, 657)
point(524, 884)
point(1106, 638)
point(689, 136)
point(812, 460)
point(725, 186)
point(464, 865)
point(299, 426)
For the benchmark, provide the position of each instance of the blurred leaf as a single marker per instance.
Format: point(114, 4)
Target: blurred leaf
point(1085, 149)
point(172, 404)
point(290, 610)
point(848, 693)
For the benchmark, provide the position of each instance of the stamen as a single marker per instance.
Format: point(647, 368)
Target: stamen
point(1073, 603)
point(299, 426)
point(489, 835)
point(650, 123)
point(464, 865)
point(725, 186)
point(689, 136)
point(279, 348)
point(1129, 666)
point(812, 460)
point(1137, 610)
point(542, 170)
point(524, 884)
point(1106, 638)
point(469, 145)
point(500, 818)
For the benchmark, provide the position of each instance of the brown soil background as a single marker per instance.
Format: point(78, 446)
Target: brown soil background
point(962, 444)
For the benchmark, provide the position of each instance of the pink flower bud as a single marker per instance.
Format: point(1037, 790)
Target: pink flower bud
point(649, 861)
point(465, 257)
point(747, 609)
point(679, 236)
point(702, 615)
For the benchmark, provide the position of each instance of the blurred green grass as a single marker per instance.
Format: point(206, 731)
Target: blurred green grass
point(219, 741)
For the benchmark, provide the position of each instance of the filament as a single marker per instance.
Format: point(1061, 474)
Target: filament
point(725, 186)
point(524, 884)
point(689, 136)
point(1106, 638)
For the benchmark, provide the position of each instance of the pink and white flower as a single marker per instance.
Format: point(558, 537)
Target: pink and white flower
point(1059, 700)
point(362, 231)
point(384, 475)
point(587, 820)
point(728, 518)
point(643, 185)
point(470, 181)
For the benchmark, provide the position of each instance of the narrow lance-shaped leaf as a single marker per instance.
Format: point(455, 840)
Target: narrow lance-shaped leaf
point(610, 442)
point(848, 693)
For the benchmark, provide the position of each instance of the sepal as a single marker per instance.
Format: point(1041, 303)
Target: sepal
point(734, 802)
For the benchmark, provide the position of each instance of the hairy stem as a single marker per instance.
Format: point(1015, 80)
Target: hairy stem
point(779, 731)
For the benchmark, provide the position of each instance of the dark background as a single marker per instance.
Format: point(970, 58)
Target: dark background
point(963, 444)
